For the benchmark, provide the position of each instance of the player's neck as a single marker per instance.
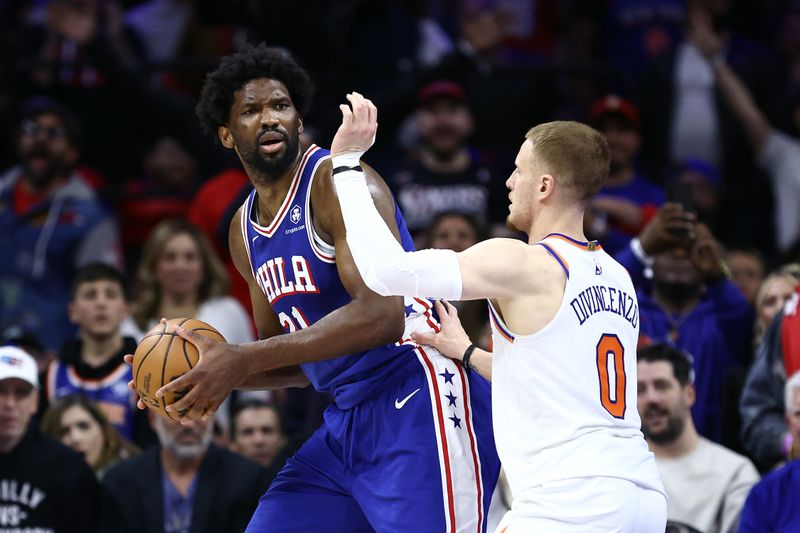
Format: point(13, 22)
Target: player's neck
point(567, 222)
point(270, 192)
point(685, 444)
point(97, 351)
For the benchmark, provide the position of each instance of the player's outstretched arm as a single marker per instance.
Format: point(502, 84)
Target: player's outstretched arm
point(482, 271)
point(452, 341)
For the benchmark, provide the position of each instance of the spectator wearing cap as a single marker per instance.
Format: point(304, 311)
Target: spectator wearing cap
point(706, 483)
point(46, 486)
point(627, 200)
point(442, 172)
point(51, 223)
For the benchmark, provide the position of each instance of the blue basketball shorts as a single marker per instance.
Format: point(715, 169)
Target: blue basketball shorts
point(417, 456)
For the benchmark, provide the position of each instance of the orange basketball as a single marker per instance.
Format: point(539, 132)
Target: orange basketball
point(162, 356)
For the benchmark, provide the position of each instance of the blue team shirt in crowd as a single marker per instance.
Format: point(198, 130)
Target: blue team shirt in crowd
point(772, 505)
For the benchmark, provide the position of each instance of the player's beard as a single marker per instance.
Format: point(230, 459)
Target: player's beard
point(517, 221)
point(267, 169)
point(510, 225)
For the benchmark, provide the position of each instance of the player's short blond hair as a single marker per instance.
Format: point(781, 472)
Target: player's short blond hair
point(575, 154)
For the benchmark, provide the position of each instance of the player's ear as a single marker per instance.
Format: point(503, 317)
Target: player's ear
point(546, 185)
point(226, 137)
point(300, 128)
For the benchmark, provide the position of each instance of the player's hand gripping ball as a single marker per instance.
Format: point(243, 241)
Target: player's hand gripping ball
point(163, 356)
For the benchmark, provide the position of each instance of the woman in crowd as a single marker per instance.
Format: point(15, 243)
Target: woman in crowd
point(77, 422)
point(772, 295)
point(180, 275)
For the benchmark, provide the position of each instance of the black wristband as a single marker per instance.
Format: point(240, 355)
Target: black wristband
point(336, 170)
point(467, 355)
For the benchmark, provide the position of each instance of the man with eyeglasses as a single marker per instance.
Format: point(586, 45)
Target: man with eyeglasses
point(51, 223)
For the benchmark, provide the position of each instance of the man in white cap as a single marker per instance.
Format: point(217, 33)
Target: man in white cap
point(44, 486)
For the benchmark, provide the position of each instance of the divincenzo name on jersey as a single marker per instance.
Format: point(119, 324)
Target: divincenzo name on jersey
point(602, 298)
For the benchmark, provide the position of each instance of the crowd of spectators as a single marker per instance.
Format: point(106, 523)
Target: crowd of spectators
point(115, 208)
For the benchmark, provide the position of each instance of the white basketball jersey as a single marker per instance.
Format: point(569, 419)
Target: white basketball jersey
point(564, 398)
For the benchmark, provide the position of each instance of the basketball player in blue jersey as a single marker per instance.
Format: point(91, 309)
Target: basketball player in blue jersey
point(565, 326)
point(400, 449)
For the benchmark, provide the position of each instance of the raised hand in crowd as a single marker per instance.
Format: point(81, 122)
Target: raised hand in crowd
point(702, 35)
point(671, 227)
point(706, 254)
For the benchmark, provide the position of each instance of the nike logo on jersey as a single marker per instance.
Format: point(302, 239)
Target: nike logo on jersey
point(398, 404)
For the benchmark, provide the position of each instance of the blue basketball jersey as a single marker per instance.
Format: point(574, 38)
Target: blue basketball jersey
point(297, 273)
point(110, 393)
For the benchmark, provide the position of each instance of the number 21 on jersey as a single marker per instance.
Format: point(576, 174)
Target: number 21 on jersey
point(295, 322)
point(611, 374)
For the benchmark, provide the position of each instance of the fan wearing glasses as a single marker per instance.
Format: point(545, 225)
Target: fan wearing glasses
point(51, 223)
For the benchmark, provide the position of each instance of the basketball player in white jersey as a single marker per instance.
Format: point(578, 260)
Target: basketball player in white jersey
point(565, 325)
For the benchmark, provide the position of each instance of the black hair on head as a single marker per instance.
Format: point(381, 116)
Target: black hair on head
point(98, 271)
point(251, 63)
point(681, 361)
point(253, 403)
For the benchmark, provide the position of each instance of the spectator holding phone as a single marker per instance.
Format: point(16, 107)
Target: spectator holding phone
point(695, 184)
point(692, 305)
point(627, 200)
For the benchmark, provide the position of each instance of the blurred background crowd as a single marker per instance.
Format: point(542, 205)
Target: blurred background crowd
point(115, 206)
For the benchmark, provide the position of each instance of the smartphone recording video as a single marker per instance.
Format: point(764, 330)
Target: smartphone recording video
point(681, 192)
